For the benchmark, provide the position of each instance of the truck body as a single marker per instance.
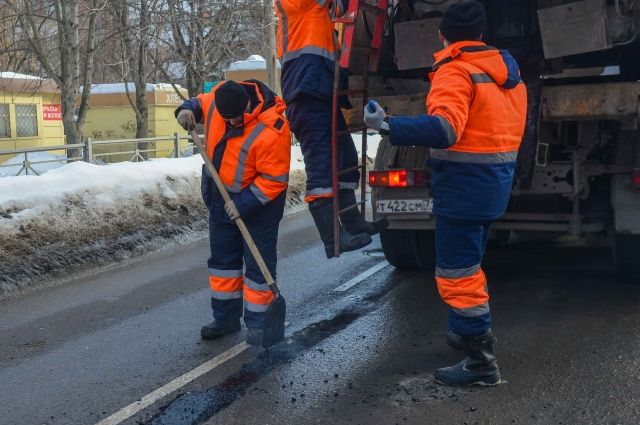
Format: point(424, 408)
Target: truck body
point(578, 168)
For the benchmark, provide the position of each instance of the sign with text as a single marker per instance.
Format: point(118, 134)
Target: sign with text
point(52, 112)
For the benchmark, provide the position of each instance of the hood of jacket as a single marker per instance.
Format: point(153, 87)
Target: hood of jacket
point(265, 105)
point(498, 64)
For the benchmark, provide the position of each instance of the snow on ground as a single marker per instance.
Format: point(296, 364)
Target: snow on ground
point(13, 165)
point(80, 216)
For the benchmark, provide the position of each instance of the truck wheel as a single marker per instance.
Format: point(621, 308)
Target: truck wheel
point(627, 256)
point(424, 249)
point(409, 249)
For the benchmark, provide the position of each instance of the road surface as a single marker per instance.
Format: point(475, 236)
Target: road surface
point(123, 346)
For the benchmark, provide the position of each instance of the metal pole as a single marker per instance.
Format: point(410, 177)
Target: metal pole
point(176, 145)
point(363, 172)
point(334, 158)
point(270, 48)
point(89, 150)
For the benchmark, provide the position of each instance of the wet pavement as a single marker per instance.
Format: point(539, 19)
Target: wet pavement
point(569, 344)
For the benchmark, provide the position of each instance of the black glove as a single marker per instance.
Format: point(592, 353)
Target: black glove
point(186, 119)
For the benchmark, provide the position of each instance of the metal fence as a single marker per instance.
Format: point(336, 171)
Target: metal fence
point(136, 150)
point(73, 153)
point(96, 151)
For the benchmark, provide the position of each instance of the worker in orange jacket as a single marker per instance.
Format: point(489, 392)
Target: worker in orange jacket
point(248, 140)
point(476, 113)
point(307, 49)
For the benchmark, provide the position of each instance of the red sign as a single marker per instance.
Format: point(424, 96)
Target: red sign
point(52, 112)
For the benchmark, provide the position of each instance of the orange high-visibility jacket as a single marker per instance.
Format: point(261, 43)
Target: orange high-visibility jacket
point(305, 27)
point(255, 165)
point(477, 109)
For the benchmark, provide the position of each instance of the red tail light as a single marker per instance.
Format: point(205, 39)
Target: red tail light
point(636, 178)
point(397, 178)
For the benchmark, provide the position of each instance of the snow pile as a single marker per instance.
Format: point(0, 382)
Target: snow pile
point(252, 63)
point(82, 216)
point(15, 75)
point(13, 165)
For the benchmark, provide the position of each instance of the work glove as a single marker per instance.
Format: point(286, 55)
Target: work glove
point(186, 119)
point(376, 118)
point(232, 211)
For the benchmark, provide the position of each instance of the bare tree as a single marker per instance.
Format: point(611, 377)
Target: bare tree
point(206, 35)
point(66, 28)
point(138, 27)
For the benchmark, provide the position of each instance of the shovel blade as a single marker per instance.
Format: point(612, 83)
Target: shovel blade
point(273, 331)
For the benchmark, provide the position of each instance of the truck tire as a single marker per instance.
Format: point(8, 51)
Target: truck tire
point(409, 249)
point(627, 256)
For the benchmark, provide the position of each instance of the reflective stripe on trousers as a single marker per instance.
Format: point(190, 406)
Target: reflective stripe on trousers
point(225, 284)
point(464, 290)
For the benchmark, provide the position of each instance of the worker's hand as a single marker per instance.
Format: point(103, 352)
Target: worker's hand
point(186, 119)
point(231, 210)
point(375, 117)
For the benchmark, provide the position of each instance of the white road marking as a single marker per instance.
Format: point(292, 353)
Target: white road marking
point(179, 382)
point(362, 276)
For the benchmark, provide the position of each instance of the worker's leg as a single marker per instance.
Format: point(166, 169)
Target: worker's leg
point(462, 284)
point(225, 273)
point(310, 120)
point(263, 227)
point(352, 220)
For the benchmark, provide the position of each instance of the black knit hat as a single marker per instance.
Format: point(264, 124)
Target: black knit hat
point(231, 100)
point(463, 21)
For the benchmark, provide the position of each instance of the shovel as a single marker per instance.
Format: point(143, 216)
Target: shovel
point(273, 329)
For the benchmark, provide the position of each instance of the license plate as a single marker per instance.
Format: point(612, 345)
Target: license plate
point(405, 206)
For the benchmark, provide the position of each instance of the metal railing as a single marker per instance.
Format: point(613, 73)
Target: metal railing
point(27, 164)
point(85, 151)
point(140, 151)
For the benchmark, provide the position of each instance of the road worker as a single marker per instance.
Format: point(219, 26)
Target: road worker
point(307, 49)
point(476, 112)
point(249, 141)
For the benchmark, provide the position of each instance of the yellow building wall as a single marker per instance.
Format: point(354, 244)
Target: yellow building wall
point(110, 117)
point(50, 132)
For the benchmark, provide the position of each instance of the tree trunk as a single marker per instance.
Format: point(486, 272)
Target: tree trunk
point(270, 48)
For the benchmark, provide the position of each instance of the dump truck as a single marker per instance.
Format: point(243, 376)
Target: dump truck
point(578, 168)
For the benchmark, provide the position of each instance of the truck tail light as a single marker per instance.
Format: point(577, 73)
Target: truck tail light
point(636, 178)
point(397, 178)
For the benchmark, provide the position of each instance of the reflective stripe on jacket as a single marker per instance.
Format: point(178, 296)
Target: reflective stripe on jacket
point(476, 109)
point(256, 160)
point(305, 27)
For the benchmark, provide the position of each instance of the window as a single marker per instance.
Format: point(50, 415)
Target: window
point(26, 121)
point(5, 129)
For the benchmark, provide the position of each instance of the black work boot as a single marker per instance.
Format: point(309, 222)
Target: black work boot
point(322, 213)
point(480, 367)
point(352, 219)
point(255, 336)
point(218, 328)
point(454, 340)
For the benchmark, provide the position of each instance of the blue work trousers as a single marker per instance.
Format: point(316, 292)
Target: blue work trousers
point(310, 121)
point(460, 247)
point(234, 276)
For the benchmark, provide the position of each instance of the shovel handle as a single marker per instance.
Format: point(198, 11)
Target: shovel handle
point(239, 222)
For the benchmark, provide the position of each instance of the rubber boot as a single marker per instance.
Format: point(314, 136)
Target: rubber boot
point(454, 340)
point(322, 213)
point(352, 219)
point(480, 367)
point(255, 336)
point(218, 328)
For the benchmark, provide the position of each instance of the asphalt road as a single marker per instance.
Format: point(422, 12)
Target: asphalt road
point(569, 344)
